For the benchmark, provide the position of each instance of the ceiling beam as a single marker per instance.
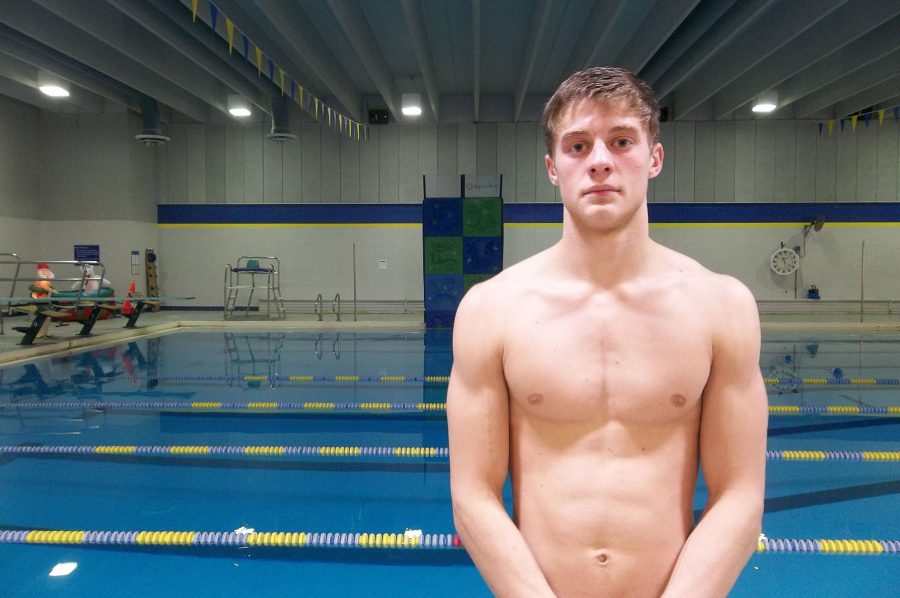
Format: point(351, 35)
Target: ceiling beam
point(725, 30)
point(846, 24)
point(40, 56)
point(849, 86)
point(685, 36)
point(871, 96)
point(660, 23)
point(864, 51)
point(353, 22)
point(415, 21)
point(127, 38)
point(537, 24)
point(60, 35)
point(772, 30)
point(597, 28)
point(159, 20)
point(303, 44)
point(24, 75)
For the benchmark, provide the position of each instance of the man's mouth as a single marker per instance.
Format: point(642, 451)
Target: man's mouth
point(600, 190)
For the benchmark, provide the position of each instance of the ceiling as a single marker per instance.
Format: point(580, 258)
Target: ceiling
point(471, 60)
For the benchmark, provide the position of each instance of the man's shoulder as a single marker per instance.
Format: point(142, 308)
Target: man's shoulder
point(704, 287)
point(501, 292)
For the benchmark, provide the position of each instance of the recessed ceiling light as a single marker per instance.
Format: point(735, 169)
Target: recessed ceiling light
point(54, 91)
point(411, 104)
point(766, 101)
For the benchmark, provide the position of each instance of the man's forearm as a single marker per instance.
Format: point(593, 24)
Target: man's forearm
point(717, 550)
point(499, 550)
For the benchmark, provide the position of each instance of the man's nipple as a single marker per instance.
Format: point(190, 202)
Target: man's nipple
point(678, 400)
point(535, 399)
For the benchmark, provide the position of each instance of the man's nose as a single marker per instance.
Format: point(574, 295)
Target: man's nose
point(600, 159)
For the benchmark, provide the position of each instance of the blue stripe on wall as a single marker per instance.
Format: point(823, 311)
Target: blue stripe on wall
point(520, 213)
point(731, 212)
point(288, 213)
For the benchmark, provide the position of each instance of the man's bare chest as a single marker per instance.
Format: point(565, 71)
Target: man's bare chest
point(633, 368)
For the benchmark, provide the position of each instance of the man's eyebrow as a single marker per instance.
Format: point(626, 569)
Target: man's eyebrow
point(614, 129)
point(624, 129)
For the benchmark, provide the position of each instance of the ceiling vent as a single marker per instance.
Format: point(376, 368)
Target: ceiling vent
point(152, 129)
point(281, 122)
point(281, 137)
point(151, 139)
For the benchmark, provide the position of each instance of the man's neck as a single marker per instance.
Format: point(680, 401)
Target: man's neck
point(606, 258)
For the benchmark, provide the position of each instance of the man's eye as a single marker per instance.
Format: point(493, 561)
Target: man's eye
point(622, 142)
point(576, 147)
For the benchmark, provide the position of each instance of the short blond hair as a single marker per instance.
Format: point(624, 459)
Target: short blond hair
point(607, 84)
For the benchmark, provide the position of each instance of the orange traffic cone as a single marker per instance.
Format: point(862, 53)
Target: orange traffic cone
point(126, 307)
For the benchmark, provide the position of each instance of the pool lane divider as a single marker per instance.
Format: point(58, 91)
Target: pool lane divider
point(233, 450)
point(251, 406)
point(815, 381)
point(278, 379)
point(401, 540)
point(368, 451)
point(369, 540)
point(391, 379)
point(374, 407)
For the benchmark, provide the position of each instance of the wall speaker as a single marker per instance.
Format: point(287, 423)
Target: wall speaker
point(379, 117)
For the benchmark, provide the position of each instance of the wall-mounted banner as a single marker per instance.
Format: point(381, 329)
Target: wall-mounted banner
point(87, 253)
point(490, 185)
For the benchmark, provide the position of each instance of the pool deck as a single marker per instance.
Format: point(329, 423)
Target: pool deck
point(64, 338)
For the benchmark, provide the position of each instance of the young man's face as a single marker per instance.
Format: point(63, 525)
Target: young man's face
point(602, 161)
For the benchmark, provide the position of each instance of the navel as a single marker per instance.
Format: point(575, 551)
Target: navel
point(678, 400)
point(534, 399)
point(602, 558)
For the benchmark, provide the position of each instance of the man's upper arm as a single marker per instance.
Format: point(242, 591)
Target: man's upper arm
point(477, 399)
point(735, 406)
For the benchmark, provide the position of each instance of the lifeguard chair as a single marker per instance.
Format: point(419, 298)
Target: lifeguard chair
point(249, 274)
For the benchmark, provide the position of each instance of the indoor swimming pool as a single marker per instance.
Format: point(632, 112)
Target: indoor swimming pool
point(302, 463)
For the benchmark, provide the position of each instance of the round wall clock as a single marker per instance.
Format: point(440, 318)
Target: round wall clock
point(784, 261)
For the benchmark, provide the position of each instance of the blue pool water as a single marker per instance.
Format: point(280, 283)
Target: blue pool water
point(253, 387)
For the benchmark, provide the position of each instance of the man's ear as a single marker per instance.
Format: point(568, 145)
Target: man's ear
point(656, 160)
point(551, 169)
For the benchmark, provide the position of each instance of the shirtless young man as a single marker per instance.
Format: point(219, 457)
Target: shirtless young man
point(597, 373)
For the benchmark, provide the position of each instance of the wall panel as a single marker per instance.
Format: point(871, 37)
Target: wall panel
point(705, 162)
point(888, 185)
point(764, 148)
point(744, 158)
point(664, 184)
point(807, 146)
point(725, 161)
point(214, 147)
point(195, 163)
point(684, 161)
point(525, 170)
point(846, 159)
point(177, 150)
point(330, 145)
point(311, 159)
point(410, 182)
point(487, 148)
point(350, 149)
point(369, 167)
point(447, 150)
point(254, 135)
point(506, 159)
point(389, 165)
point(273, 171)
point(785, 152)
